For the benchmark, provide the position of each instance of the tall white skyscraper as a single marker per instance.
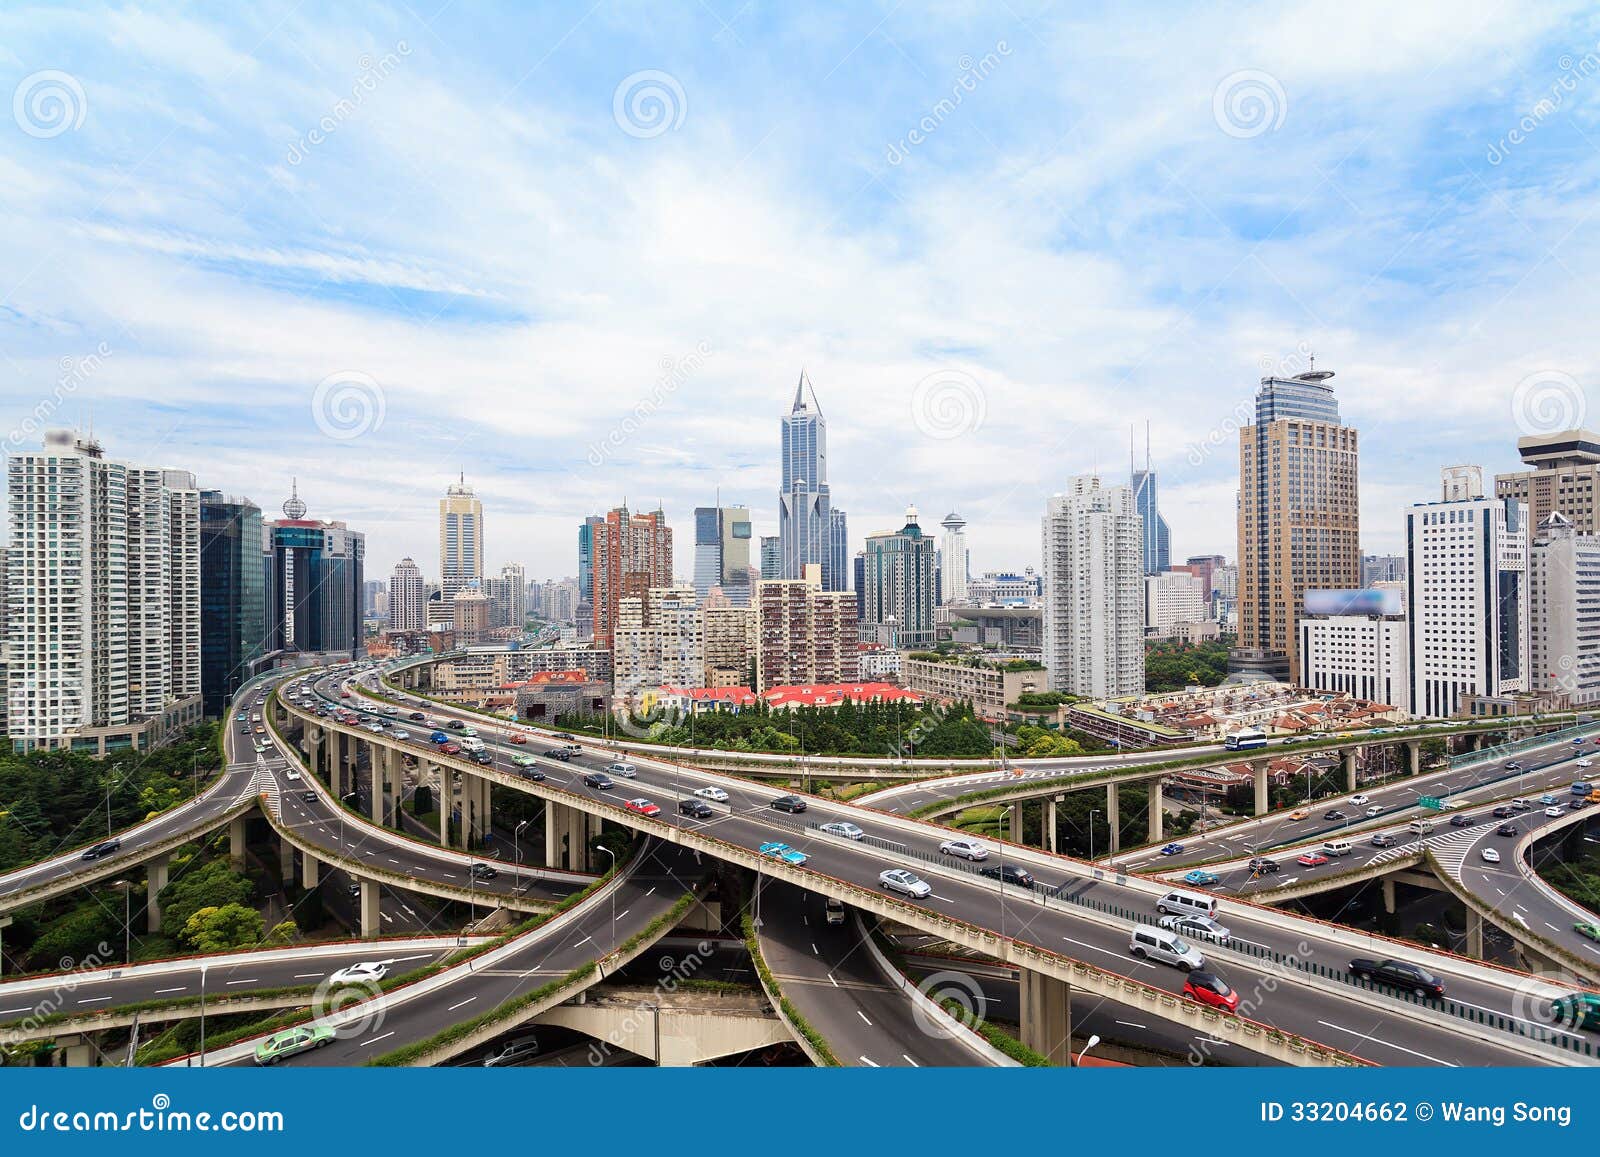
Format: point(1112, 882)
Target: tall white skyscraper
point(408, 599)
point(103, 599)
point(1093, 591)
point(659, 641)
point(810, 530)
point(460, 539)
point(953, 569)
point(1466, 595)
point(1564, 629)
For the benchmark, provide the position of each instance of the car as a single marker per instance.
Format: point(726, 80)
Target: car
point(1384, 840)
point(438, 737)
point(367, 972)
point(1009, 874)
point(1521, 805)
point(451, 748)
point(482, 871)
point(1401, 974)
point(1514, 765)
point(1311, 860)
point(783, 852)
point(843, 830)
point(642, 807)
point(1202, 926)
point(1502, 812)
point(291, 774)
point(1578, 1010)
point(1547, 799)
point(833, 911)
point(1374, 810)
point(1259, 864)
point(1172, 850)
point(563, 735)
point(1554, 812)
point(399, 733)
point(483, 758)
point(416, 717)
point(523, 759)
point(1299, 813)
point(560, 753)
point(1209, 988)
point(1490, 856)
point(1334, 814)
point(625, 770)
point(354, 888)
point(292, 1041)
point(103, 848)
point(1589, 930)
point(516, 1051)
point(904, 882)
point(1358, 801)
point(1507, 829)
point(469, 733)
point(1585, 763)
point(598, 779)
point(715, 794)
point(1201, 877)
point(1461, 821)
point(697, 809)
point(517, 737)
point(309, 796)
point(788, 803)
point(967, 849)
point(456, 725)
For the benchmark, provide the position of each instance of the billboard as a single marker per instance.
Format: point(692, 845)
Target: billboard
point(1363, 602)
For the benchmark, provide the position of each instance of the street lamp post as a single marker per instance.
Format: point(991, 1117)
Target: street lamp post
point(1092, 813)
point(202, 1016)
point(1001, 849)
point(613, 856)
point(1094, 1039)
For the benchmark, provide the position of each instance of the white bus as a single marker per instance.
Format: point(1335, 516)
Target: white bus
point(1245, 740)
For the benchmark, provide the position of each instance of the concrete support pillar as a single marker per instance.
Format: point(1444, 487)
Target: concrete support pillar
point(1474, 934)
point(285, 860)
point(1114, 815)
point(566, 837)
point(155, 880)
point(475, 817)
point(236, 844)
point(309, 871)
point(377, 780)
point(1157, 816)
point(371, 920)
point(1260, 770)
point(1348, 758)
point(314, 746)
point(447, 797)
point(80, 1055)
point(1414, 753)
point(336, 777)
point(1388, 895)
point(1050, 825)
point(1046, 1016)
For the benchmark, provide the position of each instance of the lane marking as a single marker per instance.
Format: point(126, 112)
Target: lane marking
point(859, 1013)
point(159, 992)
point(870, 1061)
point(1376, 1040)
point(911, 1062)
point(252, 980)
point(463, 1004)
point(376, 1039)
point(1133, 1024)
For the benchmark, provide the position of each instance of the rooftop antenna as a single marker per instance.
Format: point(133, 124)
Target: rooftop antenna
point(1147, 445)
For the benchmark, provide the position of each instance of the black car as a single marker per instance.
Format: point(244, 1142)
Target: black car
point(1335, 814)
point(563, 735)
point(1506, 830)
point(484, 872)
point(483, 758)
point(599, 780)
point(1262, 864)
point(1503, 812)
point(103, 848)
point(1460, 821)
point(1400, 974)
point(560, 753)
point(309, 796)
point(696, 808)
point(1009, 874)
point(532, 773)
point(416, 717)
point(455, 725)
point(789, 803)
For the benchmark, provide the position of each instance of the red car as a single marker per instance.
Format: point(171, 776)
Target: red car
point(1312, 860)
point(518, 737)
point(344, 694)
point(1209, 988)
point(450, 748)
point(642, 807)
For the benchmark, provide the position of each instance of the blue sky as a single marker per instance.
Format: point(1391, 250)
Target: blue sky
point(582, 253)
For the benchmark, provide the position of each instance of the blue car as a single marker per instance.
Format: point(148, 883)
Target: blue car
point(1202, 877)
point(783, 852)
point(1172, 850)
point(438, 737)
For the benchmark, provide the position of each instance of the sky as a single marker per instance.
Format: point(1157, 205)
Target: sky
point(582, 253)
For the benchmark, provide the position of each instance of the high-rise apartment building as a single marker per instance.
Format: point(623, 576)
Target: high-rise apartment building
point(1362, 655)
point(233, 596)
point(1563, 476)
point(471, 614)
point(1564, 613)
point(1173, 597)
point(408, 609)
point(730, 634)
point(804, 634)
point(899, 595)
point(460, 539)
point(314, 577)
point(953, 560)
point(1466, 595)
point(103, 595)
point(722, 552)
point(1382, 568)
point(632, 553)
point(1299, 516)
point(771, 557)
point(1093, 595)
point(659, 641)
point(808, 532)
point(586, 557)
point(836, 568)
point(507, 593)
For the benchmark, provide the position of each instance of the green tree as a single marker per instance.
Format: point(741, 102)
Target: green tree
point(217, 929)
point(212, 884)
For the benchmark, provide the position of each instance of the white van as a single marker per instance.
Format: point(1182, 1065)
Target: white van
point(471, 744)
point(1187, 904)
point(1420, 827)
point(1151, 943)
point(1338, 848)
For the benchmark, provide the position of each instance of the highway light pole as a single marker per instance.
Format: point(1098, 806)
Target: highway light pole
point(516, 838)
point(1094, 1039)
point(202, 1016)
point(1001, 850)
point(1092, 813)
point(610, 882)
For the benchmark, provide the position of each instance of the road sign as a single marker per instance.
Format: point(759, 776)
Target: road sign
point(1432, 802)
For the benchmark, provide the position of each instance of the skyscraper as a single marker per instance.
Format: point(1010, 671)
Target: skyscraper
point(899, 586)
point(103, 599)
point(507, 593)
point(722, 552)
point(1299, 517)
point(460, 539)
point(804, 634)
point(1155, 539)
point(632, 553)
point(233, 596)
point(953, 558)
point(771, 557)
point(1562, 475)
point(807, 530)
point(407, 598)
point(1093, 596)
point(314, 583)
point(836, 568)
point(586, 557)
point(1563, 628)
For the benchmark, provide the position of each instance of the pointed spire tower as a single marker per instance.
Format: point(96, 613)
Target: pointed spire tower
point(810, 531)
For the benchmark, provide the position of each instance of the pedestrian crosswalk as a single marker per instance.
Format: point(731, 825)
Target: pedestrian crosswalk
point(1451, 849)
point(264, 784)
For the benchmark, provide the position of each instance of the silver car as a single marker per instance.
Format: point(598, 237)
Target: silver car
point(844, 830)
point(1202, 927)
point(966, 849)
point(906, 883)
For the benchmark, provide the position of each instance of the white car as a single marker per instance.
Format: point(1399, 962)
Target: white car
point(399, 735)
point(1358, 801)
point(906, 883)
point(367, 972)
point(1374, 810)
point(714, 794)
point(1490, 856)
point(966, 849)
point(291, 774)
point(625, 770)
point(1554, 813)
point(844, 830)
point(1585, 763)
